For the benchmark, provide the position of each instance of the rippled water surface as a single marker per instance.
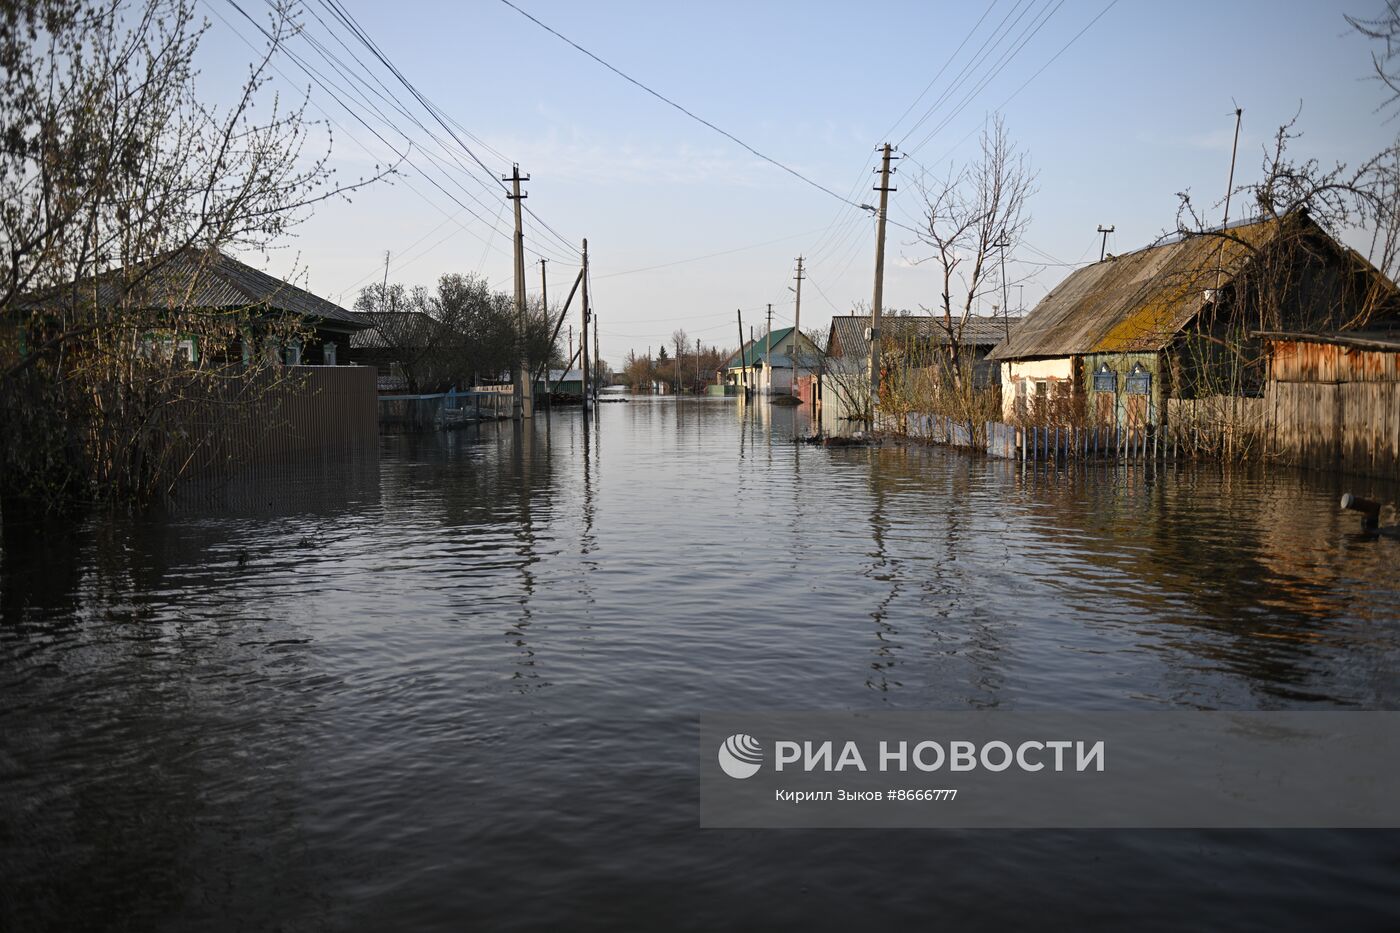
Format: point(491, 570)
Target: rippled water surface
point(458, 689)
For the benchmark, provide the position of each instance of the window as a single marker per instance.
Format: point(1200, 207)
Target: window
point(292, 353)
point(328, 353)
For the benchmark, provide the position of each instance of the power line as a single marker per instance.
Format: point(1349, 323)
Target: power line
point(668, 101)
point(338, 10)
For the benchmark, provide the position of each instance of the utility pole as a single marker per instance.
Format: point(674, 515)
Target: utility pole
point(743, 357)
point(1001, 244)
point(1104, 248)
point(524, 391)
point(697, 359)
point(680, 352)
point(571, 341)
point(876, 305)
point(384, 291)
point(583, 337)
point(796, 327)
point(597, 366)
point(768, 350)
point(1229, 186)
point(549, 351)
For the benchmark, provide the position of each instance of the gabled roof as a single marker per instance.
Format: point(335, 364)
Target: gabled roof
point(193, 278)
point(753, 350)
point(848, 331)
point(1137, 302)
point(390, 329)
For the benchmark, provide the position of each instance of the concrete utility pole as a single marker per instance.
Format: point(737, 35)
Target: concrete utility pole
point(1229, 189)
point(384, 291)
point(583, 338)
point(524, 392)
point(876, 305)
point(796, 326)
point(1103, 250)
point(1001, 244)
point(768, 351)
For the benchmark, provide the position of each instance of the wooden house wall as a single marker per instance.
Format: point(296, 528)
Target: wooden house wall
point(1335, 407)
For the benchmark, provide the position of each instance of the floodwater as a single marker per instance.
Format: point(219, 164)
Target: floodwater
point(460, 689)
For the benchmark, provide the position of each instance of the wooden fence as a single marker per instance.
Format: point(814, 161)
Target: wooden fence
point(1067, 442)
point(261, 428)
point(1350, 426)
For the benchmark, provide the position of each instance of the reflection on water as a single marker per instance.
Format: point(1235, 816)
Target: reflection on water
point(459, 688)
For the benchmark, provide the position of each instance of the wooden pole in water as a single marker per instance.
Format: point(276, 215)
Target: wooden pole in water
point(583, 338)
point(524, 391)
point(549, 351)
point(743, 361)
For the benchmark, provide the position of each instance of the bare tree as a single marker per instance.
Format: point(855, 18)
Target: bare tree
point(967, 213)
point(112, 168)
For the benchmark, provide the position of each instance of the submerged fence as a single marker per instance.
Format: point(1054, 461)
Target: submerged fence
point(401, 413)
point(1353, 427)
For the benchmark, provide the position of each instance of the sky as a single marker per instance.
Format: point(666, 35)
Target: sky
point(685, 225)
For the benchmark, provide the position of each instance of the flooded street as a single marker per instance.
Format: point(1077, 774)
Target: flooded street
point(460, 689)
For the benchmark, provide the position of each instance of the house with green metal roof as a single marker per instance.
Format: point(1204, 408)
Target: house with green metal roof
point(765, 365)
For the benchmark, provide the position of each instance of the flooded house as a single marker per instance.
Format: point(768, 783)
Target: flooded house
point(1119, 342)
point(765, 364)
point(923, 339)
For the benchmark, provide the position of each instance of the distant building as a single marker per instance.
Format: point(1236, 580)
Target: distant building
point(765, 365)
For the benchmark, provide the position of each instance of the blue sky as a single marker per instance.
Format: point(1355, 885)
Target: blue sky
point(1138, 108)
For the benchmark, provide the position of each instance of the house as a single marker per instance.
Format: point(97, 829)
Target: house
point(765, 364)
point(922, 339)
point(206, 360)
point(564, 382)
point(214, 282)
point(1118, 339)
point(394, 343)
point(1332, 400)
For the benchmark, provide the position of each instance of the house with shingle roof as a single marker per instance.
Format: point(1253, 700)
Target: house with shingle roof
point(214, 282)
point(1118, 338)
point(924, 337)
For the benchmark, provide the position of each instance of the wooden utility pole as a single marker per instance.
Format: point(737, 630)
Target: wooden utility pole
point(796, 326)
point(571, 341)
point(524, 392)
point(583, 337)
point(877, 304)
point(549, 351)
point(743, 357)
point(1103, 250)
point(597, 365)
point(768, 350)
